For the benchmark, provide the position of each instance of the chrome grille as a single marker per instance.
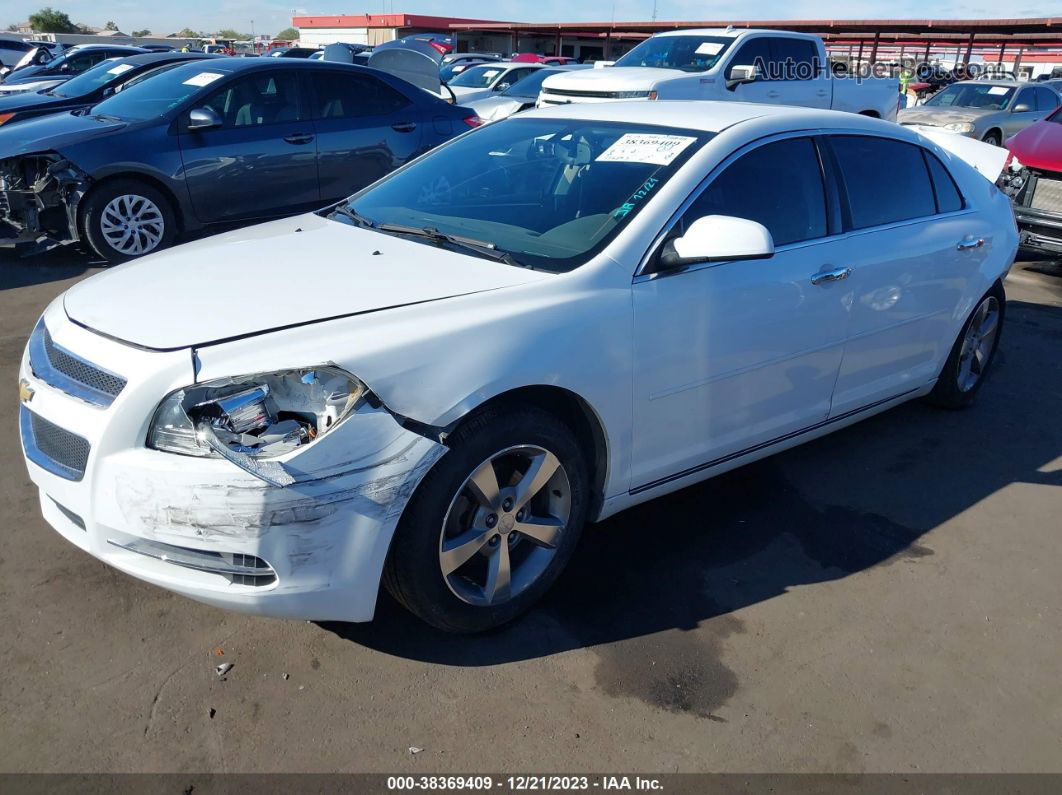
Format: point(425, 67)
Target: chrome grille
point(68, 372)
point(1047, 196)
point(52, 448)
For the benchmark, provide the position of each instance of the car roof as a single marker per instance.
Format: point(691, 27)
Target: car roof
point(169, 57)
point(709, 116)
point(1012, 83)
point(730, 32)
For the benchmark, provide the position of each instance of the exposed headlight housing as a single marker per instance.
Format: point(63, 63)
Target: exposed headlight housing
point(964, 127)
point(258, 416)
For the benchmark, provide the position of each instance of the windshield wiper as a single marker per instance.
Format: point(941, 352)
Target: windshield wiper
point(346, 211)
point(481, 248)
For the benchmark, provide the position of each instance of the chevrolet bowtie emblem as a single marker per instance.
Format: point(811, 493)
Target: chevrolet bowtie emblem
point(25, 391)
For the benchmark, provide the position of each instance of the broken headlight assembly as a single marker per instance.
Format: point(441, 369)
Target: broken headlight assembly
point(259, 416)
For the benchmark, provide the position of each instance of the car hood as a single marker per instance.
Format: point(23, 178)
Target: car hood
point(498, 107)
point(938, 117)
point(276, 275)
point(1039, 146)
point(52, 133)
point(612, 78)
point(30, 99)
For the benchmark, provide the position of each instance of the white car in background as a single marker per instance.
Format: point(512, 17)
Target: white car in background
point(520, 96)
point(486, 79)
point(770, 66)
point(537, 324)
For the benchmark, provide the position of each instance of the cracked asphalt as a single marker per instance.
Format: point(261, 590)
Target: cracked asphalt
point(886, 599)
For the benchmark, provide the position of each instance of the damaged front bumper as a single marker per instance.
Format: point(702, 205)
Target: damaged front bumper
point(201, 526)
point(1037, 200)
point(39, 199)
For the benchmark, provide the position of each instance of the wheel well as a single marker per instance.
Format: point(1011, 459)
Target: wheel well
point(137, 177)
point(871, 113)
point(574, 412)
point(998, 133)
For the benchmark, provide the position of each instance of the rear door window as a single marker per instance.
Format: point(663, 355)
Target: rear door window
point(779, 185)
point(948, 197)
point(886, 181)
point(1046, 99)
point(347, 96)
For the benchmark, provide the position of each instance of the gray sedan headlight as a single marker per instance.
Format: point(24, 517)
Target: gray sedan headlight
point(261, 416)
point(960, 127)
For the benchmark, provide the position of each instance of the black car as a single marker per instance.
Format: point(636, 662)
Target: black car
point(70, 64)
point(227, 141)
point(89, 87)
point(12, 51)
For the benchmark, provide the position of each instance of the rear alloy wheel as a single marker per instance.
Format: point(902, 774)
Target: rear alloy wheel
point(126, 219)
point(971, 356)
point(493, 523)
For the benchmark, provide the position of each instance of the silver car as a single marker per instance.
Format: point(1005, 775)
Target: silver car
point(989, 110)
point(521, 95)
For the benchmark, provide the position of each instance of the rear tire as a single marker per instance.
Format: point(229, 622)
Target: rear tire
point(465, 523)
point(971, 356)
point(125, 219)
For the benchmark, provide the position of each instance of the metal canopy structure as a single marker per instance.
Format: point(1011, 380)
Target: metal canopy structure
point(913, 35)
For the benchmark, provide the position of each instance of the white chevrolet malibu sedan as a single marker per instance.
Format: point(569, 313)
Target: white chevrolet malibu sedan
point(438, 382)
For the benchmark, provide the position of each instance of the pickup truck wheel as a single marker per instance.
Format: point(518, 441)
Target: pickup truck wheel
point(125, 219)
point(493, 524)
point(971, 355)
point(992, 137)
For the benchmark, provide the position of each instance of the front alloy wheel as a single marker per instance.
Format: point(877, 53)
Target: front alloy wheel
point(504, 525)
point(493, 523)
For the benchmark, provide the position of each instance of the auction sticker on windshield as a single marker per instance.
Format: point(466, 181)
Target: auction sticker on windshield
point(709, 48)
point(659, 150)
point(120, 69)
point(203, 79)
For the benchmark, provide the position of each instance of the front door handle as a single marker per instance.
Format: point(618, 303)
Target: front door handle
point(404, 126)
point(774, 94)
point(298, 138)
point(970, 243)
point(836, 275)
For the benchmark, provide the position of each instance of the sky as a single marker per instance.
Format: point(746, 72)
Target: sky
point(271, 16)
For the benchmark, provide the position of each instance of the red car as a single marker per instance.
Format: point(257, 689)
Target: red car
point(1033, 180)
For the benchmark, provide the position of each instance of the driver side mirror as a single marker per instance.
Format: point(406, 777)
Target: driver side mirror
point(1022, 107)
point(718, 238)
point(203, 119)
point(502, 86)
point(740, 75)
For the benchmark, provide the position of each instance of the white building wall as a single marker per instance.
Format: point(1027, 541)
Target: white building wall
point(319, 37)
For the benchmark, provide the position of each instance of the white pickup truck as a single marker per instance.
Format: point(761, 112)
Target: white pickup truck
point(769, 66)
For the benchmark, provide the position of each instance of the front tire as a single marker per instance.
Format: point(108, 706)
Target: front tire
point(971, 356)
point(125, 218)
point(992, 138)
point(493, 524)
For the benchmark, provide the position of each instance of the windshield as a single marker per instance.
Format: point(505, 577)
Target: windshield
point(972, 95)
point(530, 85)
point(688, 53)
point(479, 76)
point(98, 76)
point(550, 193)
point(158, 92)
point(448, 72)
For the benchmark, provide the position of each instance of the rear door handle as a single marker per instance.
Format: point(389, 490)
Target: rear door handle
point(773, 94)
point(835, 275)
point(404, 126)
point(298, 138)
point(970, 243)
